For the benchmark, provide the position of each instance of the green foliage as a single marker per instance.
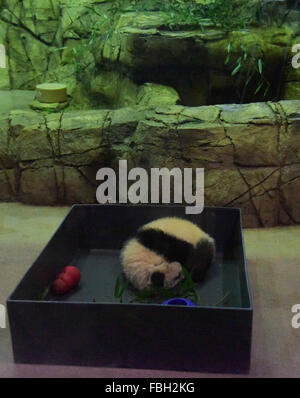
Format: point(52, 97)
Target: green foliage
point(250, 65)
point(232, 14)
point(225, 14)
point(120, 289)
point(156, 295)
point(81, 53)
point(43, 294)
point(186, 289)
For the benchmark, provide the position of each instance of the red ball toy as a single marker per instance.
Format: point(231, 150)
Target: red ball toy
point(68, 278)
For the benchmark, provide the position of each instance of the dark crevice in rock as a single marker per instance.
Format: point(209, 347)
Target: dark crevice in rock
point(29, 164)
point(290, 181)
point(260, 221)
point(64, 155)
point(279, 185)
point(63, 191)
point(18, 176)
point(10, 133)
point(265, 192)
point(106, 129)
point(279, 124)
point(10, 188)
point(284, 207)
point(227, 136)
point(48, 137)
point(56, 186)
point(94, 185)
point(179, 137)
point(59, 132)
point(249, 186)
point(247, 166)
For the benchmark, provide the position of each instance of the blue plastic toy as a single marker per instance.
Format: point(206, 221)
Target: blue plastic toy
point(179, 301)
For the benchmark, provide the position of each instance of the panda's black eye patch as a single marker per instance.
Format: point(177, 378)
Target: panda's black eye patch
point(157, 279)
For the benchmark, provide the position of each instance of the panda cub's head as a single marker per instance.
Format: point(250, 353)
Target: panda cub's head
point(161, 248)
point(145, 268)
point(166, 275)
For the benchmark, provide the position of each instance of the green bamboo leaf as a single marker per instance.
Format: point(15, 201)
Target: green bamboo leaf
point(258, 88)
point(124, 287)
point(60, 48)
point(186, 288)
point(117, 288)
point(44, 293)
point(260, 66)
point(248, 80)
point(266, 90)
point(236, 69)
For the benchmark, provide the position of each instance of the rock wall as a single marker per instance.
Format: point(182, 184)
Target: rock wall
point(250, 153)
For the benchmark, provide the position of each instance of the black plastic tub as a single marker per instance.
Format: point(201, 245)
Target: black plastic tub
point(88, 326)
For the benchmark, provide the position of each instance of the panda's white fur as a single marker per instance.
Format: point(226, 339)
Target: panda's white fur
point(165, 237)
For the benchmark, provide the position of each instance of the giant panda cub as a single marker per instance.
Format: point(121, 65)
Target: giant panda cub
point(155, 256)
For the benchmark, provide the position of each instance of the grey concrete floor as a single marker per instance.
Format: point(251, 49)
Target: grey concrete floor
point(273, 257)
point(15, 99)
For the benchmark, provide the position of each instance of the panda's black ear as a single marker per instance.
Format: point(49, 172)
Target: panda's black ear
point(201, 259)
point(158, 279)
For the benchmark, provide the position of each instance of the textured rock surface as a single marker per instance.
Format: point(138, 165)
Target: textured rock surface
point(250, 153)
point(151, 94)
point(51, 107)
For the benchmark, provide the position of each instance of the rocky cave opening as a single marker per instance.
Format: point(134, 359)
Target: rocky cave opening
point(198, 87)
point(116, 57)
